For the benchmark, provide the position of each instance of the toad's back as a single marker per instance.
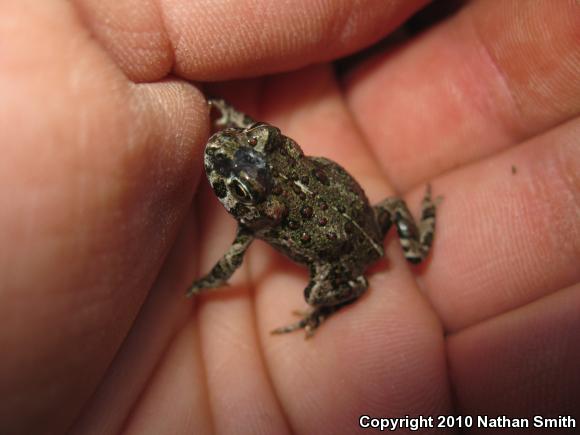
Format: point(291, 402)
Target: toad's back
point(328, 217)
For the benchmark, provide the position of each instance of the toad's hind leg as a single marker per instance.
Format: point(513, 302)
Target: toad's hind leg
point(229, 117)
point(415, 239)
point(325, 294)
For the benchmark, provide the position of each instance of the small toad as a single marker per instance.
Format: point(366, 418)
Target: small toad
point(308, 208)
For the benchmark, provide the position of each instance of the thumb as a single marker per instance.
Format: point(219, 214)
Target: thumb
point(95, 178)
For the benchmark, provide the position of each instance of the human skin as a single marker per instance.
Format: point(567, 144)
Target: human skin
point(101, 141)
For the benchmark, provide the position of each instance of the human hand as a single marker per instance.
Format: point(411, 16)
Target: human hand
point(98, 173)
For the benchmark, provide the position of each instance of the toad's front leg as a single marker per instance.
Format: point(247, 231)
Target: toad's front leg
point(226, 265)
point(328, 291)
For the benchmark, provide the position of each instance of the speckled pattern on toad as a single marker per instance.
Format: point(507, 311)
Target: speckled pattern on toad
point(308, 208)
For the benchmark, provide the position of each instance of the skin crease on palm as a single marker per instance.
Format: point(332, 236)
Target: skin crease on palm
point(103, 123)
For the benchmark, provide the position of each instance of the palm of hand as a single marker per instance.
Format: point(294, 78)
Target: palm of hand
point(110, 216)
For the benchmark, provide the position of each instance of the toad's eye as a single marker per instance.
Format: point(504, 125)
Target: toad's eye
point(245, 191)
point(240, 191)
point(250, 178)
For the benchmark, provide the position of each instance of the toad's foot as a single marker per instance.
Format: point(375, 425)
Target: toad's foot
point(229, 117)
point(416, 240)
point(310, 322)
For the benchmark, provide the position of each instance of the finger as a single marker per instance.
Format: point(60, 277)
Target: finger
point(512, 381)
point(475, 84)
point(233, 365)
point(225, 39)
point(507, 237)
point(225, 318)
point(134, 34)
point(155, 352)
point(175, 400)
point(95, 179)
point(354, 359)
